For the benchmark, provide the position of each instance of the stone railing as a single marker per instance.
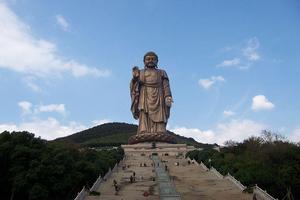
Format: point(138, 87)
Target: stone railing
point(82, 194)
point(261, 194)
point(96, 185)
point(105, 177)
point(195, 162)
point(212, 169)
point(236, 182)
point(203, 166)
point(115, 168)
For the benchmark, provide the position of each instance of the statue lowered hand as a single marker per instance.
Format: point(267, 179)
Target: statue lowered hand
point(169, 101)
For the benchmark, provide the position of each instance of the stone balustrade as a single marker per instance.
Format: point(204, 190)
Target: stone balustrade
point(218, 174)
point(96, 185)
point(261, 194)
point(203, 166)
point(82, 194)
point(194, 161)
point(236, 182)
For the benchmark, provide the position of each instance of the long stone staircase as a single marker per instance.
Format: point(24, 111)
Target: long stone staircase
point(186, 181)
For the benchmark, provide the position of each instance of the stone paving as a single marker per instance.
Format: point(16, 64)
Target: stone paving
point(192, 182)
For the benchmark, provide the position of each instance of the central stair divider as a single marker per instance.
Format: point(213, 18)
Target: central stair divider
point(167, 189)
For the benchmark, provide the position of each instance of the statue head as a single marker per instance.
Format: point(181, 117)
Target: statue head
point(150, 59)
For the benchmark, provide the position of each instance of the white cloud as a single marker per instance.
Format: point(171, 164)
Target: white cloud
point(203, 136)
point(230, 63)
point(207, 83)
point(101, 121)
point(8, 127)
point(236, 130)
point(48, 129)
point(24, 53)
point(228, 113)
point(60, 108)
point(136, 122)
point(250, 51)
point(25, 107)
point(29, 81)
point(295, 136)
point(260, 102)
point(62, 22)
point(245, 55)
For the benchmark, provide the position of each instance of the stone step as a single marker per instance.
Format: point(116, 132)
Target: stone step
point(193, 182)
point(188, 182)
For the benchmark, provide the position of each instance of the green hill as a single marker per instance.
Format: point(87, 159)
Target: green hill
point(115, 134)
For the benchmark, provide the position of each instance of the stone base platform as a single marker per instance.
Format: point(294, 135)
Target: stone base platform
point(157, 148)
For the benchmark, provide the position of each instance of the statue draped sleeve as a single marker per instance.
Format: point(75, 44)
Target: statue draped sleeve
point(166, 90)
point(166, 85)
point(134, 93)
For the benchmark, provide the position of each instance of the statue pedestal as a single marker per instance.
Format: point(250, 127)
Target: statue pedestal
point(160, 149)
point(152, 137)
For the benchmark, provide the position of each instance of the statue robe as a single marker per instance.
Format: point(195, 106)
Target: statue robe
point(148, 94)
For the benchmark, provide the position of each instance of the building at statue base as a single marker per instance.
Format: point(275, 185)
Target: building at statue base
point(156, 148)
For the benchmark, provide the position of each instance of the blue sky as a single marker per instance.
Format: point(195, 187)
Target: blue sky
point(233, 66)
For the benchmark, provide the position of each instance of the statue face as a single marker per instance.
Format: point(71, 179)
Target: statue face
point(151, 61)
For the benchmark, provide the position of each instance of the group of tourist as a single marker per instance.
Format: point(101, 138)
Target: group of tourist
point(143, 165)
point(116, 186)
point(132, 177)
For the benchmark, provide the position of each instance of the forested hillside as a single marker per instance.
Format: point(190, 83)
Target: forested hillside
point(32, 168)
point(115, 134)
point(269, 161)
